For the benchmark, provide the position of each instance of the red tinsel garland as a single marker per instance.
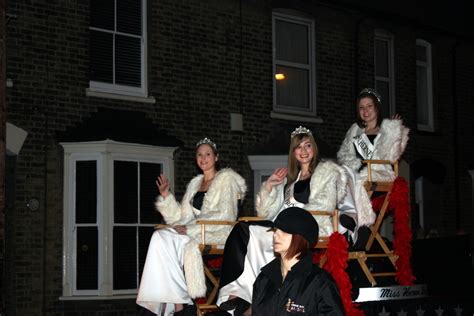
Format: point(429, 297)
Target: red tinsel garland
point(336, 265)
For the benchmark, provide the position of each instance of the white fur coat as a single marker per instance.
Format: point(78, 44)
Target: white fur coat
point(220, 203)
point(389, 144)
point(327, 189)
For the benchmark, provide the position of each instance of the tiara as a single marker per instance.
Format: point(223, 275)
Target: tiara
point(207, 141)
point(371, 92)
point(301, 130)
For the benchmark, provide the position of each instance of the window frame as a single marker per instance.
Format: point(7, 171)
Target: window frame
point(105, 153)
point(113, 88)
point(428, 65)
point(288, 112)
point(383, 35)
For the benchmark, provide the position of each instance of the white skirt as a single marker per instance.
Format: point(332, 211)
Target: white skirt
point(163, 278)
point(259, 253)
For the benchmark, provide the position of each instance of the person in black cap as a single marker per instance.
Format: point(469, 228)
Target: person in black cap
point(291, 283)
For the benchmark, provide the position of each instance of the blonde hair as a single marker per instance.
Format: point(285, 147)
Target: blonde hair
point(293, 165)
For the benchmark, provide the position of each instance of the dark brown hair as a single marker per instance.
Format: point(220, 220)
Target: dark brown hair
point(377, 104)
point(217, 165)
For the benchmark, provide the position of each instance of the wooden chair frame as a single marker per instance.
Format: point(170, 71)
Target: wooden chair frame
point(362, 256)
point(210, 249)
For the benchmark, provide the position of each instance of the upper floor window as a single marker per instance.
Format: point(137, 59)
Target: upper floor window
point(294, 91)
point(109, 215)
point(424, 86)
point(118, 46)
point(384, 71)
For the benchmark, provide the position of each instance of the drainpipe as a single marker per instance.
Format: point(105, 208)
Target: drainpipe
point(3, 112)
point(455, 136)
point(356, 59)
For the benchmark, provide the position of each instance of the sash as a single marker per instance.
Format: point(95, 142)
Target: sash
point(364, 147)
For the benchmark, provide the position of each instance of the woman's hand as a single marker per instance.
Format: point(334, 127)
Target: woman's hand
point(276, 178)
point(396, 116)
point(163, 185)
point(180, 229)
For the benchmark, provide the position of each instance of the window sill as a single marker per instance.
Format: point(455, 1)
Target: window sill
point(115, 96)
point(97, 298)
point(295, 117)
point(425, 128)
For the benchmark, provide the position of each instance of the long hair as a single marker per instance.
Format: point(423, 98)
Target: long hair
point(293, 165)
point(299, 247)
point(377, 105)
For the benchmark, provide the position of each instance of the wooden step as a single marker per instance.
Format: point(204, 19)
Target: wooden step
point(382, 274)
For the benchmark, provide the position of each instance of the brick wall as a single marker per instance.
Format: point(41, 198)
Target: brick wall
point(205, 60)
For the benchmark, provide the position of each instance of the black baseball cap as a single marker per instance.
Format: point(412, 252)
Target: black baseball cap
point(295, 220)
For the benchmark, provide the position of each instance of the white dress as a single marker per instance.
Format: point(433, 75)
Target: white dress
point(161, 281)
point(173, 272)
point(389, 144)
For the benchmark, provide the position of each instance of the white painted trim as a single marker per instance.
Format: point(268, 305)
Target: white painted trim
point(95, 297)
point(296, 118)
point(106, 94)
point(267, 162)
point(111, 146)
point(264, 165)
point(104, 153)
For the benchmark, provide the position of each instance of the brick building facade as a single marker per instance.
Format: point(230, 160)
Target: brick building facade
point(206, 61)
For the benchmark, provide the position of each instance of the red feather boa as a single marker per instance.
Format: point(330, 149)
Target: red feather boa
point(336, 265)
point(399, 204)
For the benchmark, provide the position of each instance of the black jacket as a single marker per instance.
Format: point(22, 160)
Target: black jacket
point(306, 290)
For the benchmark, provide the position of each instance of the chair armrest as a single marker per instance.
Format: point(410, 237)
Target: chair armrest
point(203, 224)
point(160, 226)
point(250, 218)
point(369, 163)
point(378, 162)
point(211, 222)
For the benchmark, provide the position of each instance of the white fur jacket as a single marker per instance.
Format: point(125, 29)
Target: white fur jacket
point(220, 203)
point(389, 144)
point(327, 189)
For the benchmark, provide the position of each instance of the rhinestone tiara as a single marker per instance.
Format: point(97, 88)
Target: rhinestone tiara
point(301, 130)
point(207, 141)
point(371, 92)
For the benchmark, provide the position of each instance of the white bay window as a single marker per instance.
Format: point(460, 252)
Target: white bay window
point(109, 215)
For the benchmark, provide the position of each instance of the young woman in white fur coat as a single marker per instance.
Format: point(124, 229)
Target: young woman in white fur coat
point(369, 138)
point(173, 273)
point(307, 183)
